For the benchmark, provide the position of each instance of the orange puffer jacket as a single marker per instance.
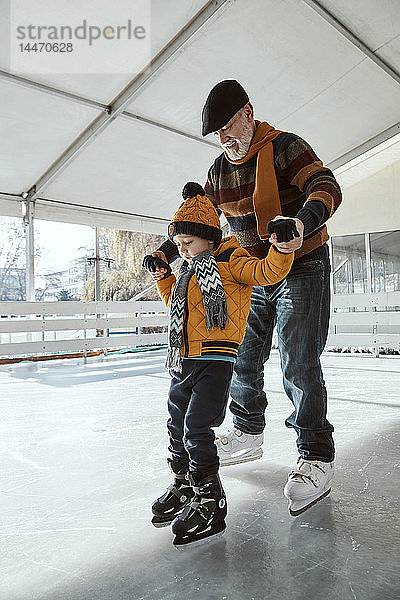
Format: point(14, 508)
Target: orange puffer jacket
point(239, 272)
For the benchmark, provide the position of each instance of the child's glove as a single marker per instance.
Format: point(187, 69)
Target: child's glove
point(150, 263)
point(284, 229)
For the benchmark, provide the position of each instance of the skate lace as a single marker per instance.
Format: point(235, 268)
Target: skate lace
point(307, 475)
point(228, 437)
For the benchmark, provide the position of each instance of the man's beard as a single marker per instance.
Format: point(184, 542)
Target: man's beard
point(243, 144)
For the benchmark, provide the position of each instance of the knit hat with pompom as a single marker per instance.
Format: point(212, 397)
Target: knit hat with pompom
point(196, 215)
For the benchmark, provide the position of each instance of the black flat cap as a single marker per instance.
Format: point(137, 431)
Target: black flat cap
point(224, 100)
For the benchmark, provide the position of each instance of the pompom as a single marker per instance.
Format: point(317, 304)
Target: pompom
point(191, 189)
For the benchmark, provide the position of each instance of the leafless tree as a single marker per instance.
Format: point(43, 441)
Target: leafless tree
point(12, 258)
point(125, 277)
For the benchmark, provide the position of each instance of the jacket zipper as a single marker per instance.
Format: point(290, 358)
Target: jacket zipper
point(185, 335)
point(185, 321)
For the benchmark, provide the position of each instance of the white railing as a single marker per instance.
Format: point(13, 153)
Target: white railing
point(84, 326)
point(99, 325)
point(372, 328)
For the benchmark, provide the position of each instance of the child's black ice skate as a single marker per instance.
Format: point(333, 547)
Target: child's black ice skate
point(174, 500)
point(205, 516)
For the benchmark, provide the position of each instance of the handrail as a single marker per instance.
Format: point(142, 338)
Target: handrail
point(366, 326)
point(98, 317)
point(370, 327)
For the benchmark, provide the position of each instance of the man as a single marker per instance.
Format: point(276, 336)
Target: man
point(266, 174)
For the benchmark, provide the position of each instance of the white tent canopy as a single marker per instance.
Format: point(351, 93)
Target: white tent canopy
point(115, 149)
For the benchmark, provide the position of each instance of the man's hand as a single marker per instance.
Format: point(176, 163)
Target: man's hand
point(295, 243)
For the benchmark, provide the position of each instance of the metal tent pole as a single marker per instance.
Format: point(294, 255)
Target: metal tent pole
point(28, 211)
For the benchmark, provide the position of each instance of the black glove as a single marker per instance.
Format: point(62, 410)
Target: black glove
point(284, 229)
point(152, 262)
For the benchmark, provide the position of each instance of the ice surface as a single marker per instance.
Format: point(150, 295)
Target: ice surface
point(83, 452)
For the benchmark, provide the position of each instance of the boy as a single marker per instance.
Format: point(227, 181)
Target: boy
point(209, 304)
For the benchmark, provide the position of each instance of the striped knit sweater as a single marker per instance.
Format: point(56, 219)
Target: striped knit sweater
point(307, 190)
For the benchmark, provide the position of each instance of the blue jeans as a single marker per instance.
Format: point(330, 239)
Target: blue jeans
point(300, 307)
point(197, 402)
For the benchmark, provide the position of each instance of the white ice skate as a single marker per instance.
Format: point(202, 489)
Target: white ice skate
point(307, 484)
point(236, 447)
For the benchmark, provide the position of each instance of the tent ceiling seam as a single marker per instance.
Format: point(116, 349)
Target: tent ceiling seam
point(169, 128)
point(325, 89)
point(49, 202)
point(52, 91)
point(357, 151)
point(351, 37)
point(79, 207)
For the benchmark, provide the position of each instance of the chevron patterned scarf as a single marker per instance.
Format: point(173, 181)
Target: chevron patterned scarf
point(204, 266)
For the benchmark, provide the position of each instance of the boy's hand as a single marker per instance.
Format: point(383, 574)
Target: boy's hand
point(286, 233)
point(157, 276)
point(157, 265)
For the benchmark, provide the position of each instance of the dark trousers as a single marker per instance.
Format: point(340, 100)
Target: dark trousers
point(197, 402)
point(300, 307)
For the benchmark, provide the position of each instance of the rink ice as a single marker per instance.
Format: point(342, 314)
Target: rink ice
point(83, 451)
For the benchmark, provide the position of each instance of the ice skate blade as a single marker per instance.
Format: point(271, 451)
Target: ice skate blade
point(296, 513)
point(195, 543)
point(240, 460)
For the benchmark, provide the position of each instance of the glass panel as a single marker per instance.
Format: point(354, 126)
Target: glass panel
point(121, 274)
point(62, 268)
point(349, 264)
point(385, 259)
point(12, 259)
